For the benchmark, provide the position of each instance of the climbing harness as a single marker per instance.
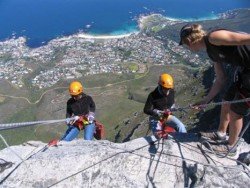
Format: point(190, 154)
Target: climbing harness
point(99, 127)
point(165, 129)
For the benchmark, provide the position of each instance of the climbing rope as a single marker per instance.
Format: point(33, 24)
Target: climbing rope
point(46, 122)
point(23, 160)
point(212, 104)
point(192, 160)
point(241, 135)
point(218, 104)
point(32, 123)
point(133, 152)
point(4, 141)
point(228, 102)
point(4, 165)
point(231, 149)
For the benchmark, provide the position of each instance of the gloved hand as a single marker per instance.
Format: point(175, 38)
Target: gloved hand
point(158, 112)
point(72, 120)
point(174, 107)
point(91, 117)
point(75, 119)
point(67, 121)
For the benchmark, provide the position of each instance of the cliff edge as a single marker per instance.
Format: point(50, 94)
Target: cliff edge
point(143, 162)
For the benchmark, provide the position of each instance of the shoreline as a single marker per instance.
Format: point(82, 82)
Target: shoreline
point(88, 36)
point(140, 22)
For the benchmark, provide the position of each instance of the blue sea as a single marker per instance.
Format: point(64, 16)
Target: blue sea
point(42, 20)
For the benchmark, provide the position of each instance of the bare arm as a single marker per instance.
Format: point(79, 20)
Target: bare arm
point(223, 37)
point(219, 83)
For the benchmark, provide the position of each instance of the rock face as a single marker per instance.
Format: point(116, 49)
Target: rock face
point(143, 162)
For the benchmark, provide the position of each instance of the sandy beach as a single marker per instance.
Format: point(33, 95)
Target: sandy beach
point(86, 36)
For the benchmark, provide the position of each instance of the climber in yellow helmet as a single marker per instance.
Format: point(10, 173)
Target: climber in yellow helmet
point(79, 105)
point(160, 100)
point(166, 81)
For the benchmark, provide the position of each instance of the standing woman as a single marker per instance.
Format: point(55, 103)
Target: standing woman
point(224, 46)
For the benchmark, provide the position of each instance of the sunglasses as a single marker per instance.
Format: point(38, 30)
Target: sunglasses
point(185, 31)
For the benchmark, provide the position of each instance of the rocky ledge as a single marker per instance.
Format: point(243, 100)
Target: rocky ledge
point(143, 162)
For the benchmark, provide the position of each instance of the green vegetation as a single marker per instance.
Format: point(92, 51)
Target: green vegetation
point(127, 53)
point(117, 97)
point(133, 67)
point(156, 29)
point(26, 114)
point(101, 80)
point(2, 99)
point(111, 114)
point(17, 136)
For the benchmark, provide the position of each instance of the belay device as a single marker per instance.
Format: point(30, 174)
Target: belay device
point(166, 129)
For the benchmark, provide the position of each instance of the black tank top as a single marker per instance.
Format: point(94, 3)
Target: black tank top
point(234, 55)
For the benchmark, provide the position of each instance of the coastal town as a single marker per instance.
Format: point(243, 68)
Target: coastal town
point(77, 55)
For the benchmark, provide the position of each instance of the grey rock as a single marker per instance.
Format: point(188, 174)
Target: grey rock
point(142, 162)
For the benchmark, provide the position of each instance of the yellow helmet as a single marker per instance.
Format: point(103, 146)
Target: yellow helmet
point(166, 81)
point(75, 88)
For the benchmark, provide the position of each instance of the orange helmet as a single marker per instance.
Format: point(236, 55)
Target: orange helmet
point(75, 88)
point(166, 81)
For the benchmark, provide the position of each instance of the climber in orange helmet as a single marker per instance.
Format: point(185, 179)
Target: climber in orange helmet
point(160, 100)
point(79, 105)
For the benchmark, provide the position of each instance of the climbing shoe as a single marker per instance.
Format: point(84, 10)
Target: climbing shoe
point(213, 137)
point(224, 149)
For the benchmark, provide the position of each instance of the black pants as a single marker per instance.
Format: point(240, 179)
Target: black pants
point(240, 90)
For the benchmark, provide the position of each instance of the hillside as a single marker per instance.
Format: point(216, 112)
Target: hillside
point(135, 61)
point(121, 118)
point(163, 28)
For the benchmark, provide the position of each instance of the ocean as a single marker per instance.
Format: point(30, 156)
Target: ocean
point(42, 20)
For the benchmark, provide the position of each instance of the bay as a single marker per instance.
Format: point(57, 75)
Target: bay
point(42, 20)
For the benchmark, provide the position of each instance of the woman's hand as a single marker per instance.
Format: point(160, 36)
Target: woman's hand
point(201, 105)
